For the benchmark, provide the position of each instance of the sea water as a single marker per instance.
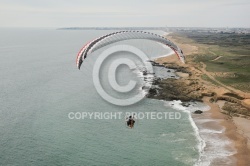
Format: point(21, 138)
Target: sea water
point(40, 85)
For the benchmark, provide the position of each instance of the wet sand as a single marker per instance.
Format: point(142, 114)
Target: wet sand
point(243, 128)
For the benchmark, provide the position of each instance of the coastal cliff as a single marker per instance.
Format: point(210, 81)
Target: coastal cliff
point(191, 87)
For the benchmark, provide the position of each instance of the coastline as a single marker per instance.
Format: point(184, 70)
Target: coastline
point(237, 141)
point(236, 136)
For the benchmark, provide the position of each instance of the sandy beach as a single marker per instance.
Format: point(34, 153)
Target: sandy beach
point(234, 131)
point(238, 140)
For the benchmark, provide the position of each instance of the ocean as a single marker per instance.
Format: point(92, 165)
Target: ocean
point(40, 85)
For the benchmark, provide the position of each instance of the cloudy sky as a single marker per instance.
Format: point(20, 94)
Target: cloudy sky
point(86, 13)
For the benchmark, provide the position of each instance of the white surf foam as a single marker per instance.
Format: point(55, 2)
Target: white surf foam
point(212, 144)
point(176, 104)
point(212, 131)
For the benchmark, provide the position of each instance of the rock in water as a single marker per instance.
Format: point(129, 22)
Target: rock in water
point(198, 112)
point(185, 104)
point(152, 92)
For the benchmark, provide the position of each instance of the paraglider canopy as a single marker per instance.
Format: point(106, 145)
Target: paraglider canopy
point(105, 40)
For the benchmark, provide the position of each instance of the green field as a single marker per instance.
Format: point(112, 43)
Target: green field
point(234, 50)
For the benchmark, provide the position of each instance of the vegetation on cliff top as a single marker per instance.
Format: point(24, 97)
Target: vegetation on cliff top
point(227, 56)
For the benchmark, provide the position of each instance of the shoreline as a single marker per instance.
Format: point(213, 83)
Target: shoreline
point(238, 141)
point(177, 105)
point(217, 136)
point(232, 131)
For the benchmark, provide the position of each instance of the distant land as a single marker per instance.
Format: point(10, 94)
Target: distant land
point(113, 28)
point(168, 29)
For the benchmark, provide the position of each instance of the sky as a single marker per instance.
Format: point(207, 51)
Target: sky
point(124, 13)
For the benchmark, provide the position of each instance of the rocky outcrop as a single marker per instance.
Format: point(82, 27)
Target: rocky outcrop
point(193, 89)
point(175, 89)
point(177, 68)
point(235, 109)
